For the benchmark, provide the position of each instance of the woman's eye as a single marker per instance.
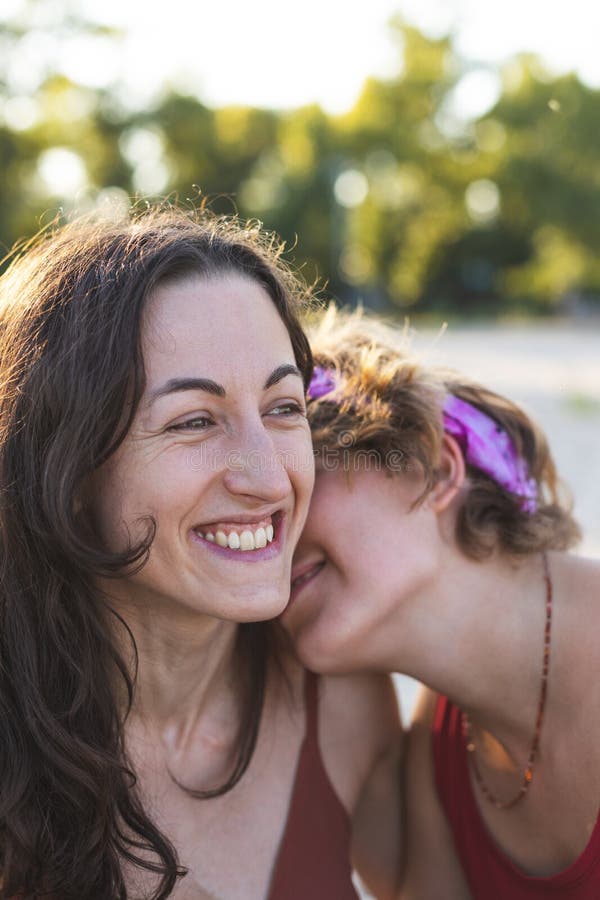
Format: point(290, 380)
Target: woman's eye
point(288, 409)
point(198, 423)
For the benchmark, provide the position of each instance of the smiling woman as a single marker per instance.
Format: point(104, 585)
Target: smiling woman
point(251, 410)
point(156, 470)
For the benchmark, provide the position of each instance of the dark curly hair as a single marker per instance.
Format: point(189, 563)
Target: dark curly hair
point(71, 376)
point(387, 409)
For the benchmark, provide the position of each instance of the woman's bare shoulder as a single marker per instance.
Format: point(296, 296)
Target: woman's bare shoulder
point(362, 748)
point(359, 716)
point(432, 869)
point(359, 722)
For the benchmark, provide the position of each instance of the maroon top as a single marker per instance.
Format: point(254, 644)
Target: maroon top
point(314, 855)
point(490, 873)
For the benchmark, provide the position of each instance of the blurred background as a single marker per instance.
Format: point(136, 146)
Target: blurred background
point(432, 159)
point(437, 160)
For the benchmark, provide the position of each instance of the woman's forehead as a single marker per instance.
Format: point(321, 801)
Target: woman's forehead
point(213, 327)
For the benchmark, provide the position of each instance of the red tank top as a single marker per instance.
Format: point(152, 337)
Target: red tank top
point(313, 862)
point(490, 873)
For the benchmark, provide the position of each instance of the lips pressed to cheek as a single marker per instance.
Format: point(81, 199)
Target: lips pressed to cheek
point(303, 576)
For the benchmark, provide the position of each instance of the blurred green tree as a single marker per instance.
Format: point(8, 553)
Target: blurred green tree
point(402, 202)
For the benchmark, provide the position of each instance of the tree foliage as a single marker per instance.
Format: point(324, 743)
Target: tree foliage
point(397, 202)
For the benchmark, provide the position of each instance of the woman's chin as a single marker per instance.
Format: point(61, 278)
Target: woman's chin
point(261, 609)
point(319, 652)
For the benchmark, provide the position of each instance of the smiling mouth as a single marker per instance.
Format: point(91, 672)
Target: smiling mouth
point(245, 537)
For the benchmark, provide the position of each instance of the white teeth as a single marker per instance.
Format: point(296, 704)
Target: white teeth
point(221, 539)
point(249, 541)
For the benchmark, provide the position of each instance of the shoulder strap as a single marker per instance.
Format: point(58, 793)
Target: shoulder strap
point(311, 702)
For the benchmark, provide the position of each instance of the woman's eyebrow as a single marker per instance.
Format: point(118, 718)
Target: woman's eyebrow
point(174, 385)
point(281, 372)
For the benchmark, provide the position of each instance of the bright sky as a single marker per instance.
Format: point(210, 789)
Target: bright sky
point(278, 54)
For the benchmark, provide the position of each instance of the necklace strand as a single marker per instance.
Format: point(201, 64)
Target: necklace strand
point(535, 741)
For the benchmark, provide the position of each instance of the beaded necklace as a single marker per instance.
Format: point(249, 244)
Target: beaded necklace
point(535, 741)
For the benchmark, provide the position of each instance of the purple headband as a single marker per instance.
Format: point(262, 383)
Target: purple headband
point(488, 447)
point(483, 442)
point(323, 381)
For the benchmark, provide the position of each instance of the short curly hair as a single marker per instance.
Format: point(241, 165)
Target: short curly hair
point(387, 407)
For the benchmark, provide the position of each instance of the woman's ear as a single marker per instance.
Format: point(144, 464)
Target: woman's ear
point(451, 475)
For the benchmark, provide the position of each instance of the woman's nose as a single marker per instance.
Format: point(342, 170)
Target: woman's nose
point(256, 467)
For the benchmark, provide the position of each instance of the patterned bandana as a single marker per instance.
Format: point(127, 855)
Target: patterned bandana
point(486, 446)
point(483, 442)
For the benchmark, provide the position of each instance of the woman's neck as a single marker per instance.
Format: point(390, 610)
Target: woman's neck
point(476, 634)
point(184, 662)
